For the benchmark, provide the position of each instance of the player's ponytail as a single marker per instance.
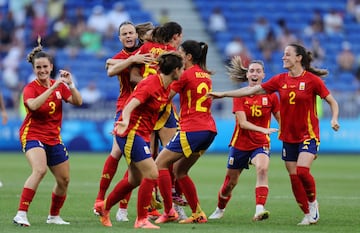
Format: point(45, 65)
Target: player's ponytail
point(38, 52)
point(307, 59)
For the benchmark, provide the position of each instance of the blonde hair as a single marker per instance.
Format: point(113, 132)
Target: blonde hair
point(142, 29)
point(236, 70)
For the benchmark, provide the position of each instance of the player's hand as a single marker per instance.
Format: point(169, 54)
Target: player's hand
point(65, 77)
point(335, 125)
point(121, 127)
point(270, 130)
point(146, 58)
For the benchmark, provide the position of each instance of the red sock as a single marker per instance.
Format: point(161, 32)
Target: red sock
point(108, 173)
point(56, 203)
point(119, 192)
point(172, 175)
point(123, 204)
point(222, 199)
point(261, 194)
point(189, 189)
point(27, 196)
point(308, 182)
point(299, 193)
point(164, 183)
point(144, 197)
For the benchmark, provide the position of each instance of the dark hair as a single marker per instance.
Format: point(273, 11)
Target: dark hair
point(198, 51)
point(125, 23)
point(169, 61)
point(307, 59)
point(38, 52)
point(158, 35)
point(237, 71)
point(164, 33)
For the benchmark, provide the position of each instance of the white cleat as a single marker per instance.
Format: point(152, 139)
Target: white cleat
point(261, 216)
point(56, 220)
point(307, 220)
point(314, 212)
point(122, 215)
point(95, 212)
point(21, 219)
point(217, 214)
point(181, 212)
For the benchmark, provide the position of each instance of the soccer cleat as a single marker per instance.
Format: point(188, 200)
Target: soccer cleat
point(94, 210)
point(21, 219)
point(153, 214)
point(307, 220)
point(195, 218)
point(122, 215)
point(178, 200)
point(145, 224)
point(104, 214)
point(155, 201)
point(181, 212)
point(56, 220)
point(261, 216)
point(172, 216)
point(217, 214)
point(314, 212)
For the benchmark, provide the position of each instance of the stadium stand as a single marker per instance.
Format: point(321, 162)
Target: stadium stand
point(240, 15)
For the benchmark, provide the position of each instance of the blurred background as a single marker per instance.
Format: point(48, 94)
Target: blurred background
point(82, 34)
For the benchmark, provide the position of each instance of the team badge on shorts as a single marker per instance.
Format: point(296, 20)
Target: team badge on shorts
point(147, 149)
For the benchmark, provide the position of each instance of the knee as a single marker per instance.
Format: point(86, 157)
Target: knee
point(231, 185)
point(40, 172)
point(160, 164)
point(178, 174)
point(154, 175)
point(116, 152)
point(63, 182)
point(163, 160)
point(262, 171)
point(150, 173)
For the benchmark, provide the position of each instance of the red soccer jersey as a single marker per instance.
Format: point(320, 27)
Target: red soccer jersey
point(153, 97)
point(124, 81)
point(43, 124)
point(299, 120)
point(258, 110)
point(156, 49)
point(195, 114)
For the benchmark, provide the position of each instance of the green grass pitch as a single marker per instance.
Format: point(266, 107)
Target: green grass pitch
point(338, 187)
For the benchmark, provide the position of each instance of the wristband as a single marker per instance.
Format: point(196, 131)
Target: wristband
point(72, 85)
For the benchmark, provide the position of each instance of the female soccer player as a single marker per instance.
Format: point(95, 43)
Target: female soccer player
point(250, 142)
point(40, 134)
point(118, 66)
point(197, 132)
point(133, 137)
point(166, 37)
point(299, 125)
